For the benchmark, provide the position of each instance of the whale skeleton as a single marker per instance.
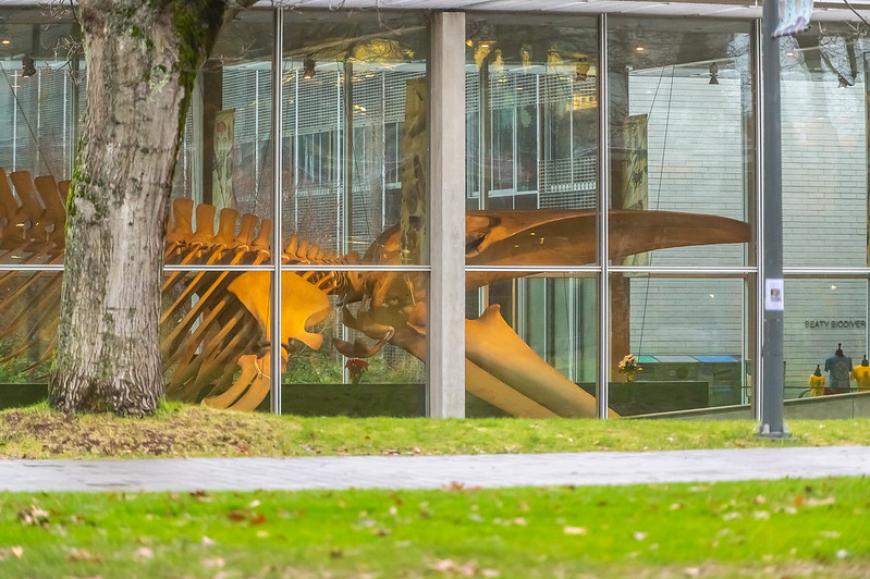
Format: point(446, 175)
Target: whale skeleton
point(215, 325)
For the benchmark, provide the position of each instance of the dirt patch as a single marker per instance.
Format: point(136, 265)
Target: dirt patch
point(187, 431)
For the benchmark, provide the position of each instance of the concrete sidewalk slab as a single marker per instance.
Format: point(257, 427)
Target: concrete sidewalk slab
point(410, 472)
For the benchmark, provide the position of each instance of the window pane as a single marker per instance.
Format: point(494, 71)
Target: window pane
point(38, 112)
point(213, 339)
point(689, 339)
point(532, 140)
point(355, 137)
point(224, 165)
point(357, 343)
point(28, 323)
point(824, 148)
point(681, 142)
point(531, 345)
point(822, 317)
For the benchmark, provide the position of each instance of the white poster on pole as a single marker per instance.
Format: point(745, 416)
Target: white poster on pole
point(774, 295)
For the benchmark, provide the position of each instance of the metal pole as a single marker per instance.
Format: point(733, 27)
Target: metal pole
point(603, 210)
point(275, 370)
point(757, 106)
point(772, 372)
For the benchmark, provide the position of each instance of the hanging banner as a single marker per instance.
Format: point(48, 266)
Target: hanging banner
point(222, 175)
point(794, 17)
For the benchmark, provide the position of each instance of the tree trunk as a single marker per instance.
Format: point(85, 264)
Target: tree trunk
point(141, 62)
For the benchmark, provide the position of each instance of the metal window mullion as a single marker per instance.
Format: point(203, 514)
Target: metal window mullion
point(687, 270)
point(602, 392)
point(277, 194)
point(759, 217)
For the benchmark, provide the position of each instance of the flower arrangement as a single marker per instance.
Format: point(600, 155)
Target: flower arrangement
point(629, 367)
point(356, 367)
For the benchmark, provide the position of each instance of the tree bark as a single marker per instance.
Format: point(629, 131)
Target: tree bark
point(142, 58)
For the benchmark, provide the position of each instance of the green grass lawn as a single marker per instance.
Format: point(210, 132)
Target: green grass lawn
point(179, 430)
point(783, 528)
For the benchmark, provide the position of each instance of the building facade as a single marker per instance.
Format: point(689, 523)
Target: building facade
point(482, 213)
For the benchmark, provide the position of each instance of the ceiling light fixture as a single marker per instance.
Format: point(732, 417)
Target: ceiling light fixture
point(5, 42)
point(639, 49)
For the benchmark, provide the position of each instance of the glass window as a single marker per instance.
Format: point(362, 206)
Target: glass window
point(357, 343)
point(223, 180)
point(213, 338)
point(531, 345)
point(826, 330)
point(532, 140)
point(28, 322)
point(355, 134)
point(678, 344)
point(39, 108)
point(681, 142)
point(824, 148)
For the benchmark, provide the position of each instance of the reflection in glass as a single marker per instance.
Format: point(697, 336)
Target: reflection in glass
point(357, 343)
point(689, 337)
point(531, 136)
point(530, 345)
point(28, 322)
point(214, 340)
point(224, 163)
point(39, 84)
point(824, 148)
point(681, 141)
point(355, 135)
point(824, 316)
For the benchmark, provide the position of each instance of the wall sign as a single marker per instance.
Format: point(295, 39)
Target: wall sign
point(835, 324)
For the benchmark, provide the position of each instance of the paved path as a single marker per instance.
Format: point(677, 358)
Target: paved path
point(406, 472)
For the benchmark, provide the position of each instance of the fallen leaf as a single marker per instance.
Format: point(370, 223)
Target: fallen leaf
point(144, 553)
point(639, 536)
point(206, 541)
point(254, 504)
point(33, 516)
point(820, 502)
point(524, 506)
point(82, 556)
point(520, 522)
point(15, 551)
point(212, 563)
point(574, 530)
point(760, 500)
point(258, 519)
point(692, 571)
point(236, 516)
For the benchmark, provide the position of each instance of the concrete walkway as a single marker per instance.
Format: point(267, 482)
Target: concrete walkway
point(407, 472)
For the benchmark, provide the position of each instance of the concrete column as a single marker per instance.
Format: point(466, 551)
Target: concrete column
point(446, 397)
